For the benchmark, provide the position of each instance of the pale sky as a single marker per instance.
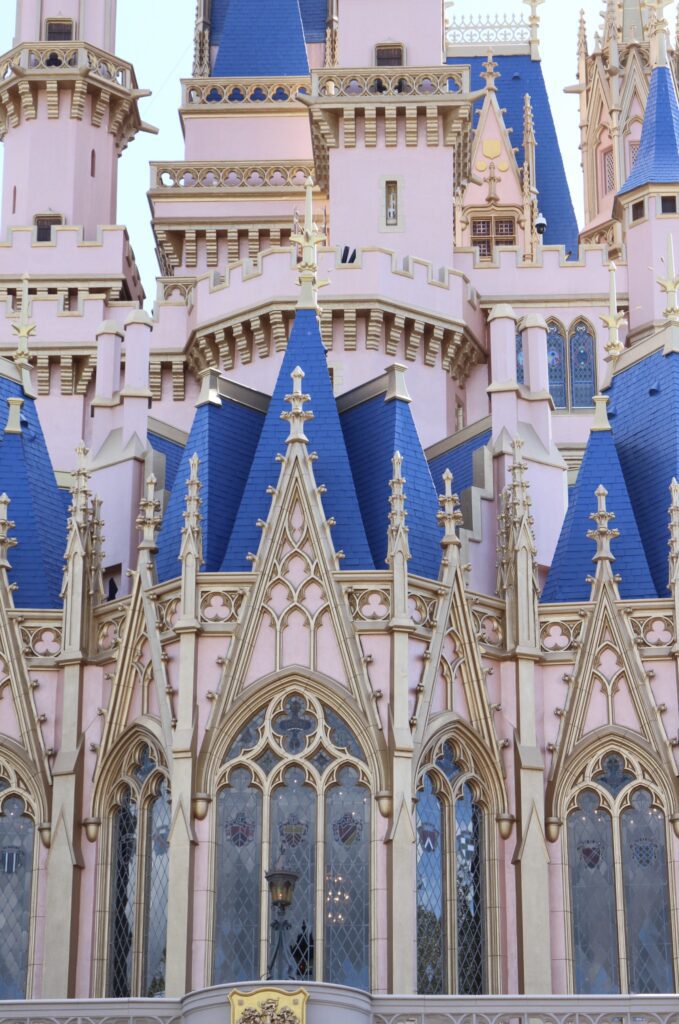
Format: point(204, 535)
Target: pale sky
point(157, 37)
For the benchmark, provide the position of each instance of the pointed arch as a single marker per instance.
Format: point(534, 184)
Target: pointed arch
point(581, 363)
point(557, 359)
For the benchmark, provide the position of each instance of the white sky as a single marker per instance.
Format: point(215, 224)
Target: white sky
point(157, 37)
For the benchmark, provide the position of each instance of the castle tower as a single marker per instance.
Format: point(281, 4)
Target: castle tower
point(67, 94)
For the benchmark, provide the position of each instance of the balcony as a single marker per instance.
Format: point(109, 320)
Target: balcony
point(71, 58)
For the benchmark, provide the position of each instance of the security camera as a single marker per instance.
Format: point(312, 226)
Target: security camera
point(541, 224)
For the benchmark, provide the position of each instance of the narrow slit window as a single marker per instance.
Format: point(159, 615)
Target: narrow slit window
point(93, 164)
point(59, 31)
point(391, 204)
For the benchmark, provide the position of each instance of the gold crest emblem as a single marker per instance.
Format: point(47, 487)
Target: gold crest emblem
point(268, 1006)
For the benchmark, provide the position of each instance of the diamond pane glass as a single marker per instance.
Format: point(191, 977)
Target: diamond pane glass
point(246, 739)
point(294, 725)
point(155, 916)
point(239, 871)
point(520, 374)
point(347, 882)
point(471, 928)
point(431, 968)
point(123, 895)
point(613, 775)
point(16, 872)
point(647, 902)
point(582, 366)
point(556, 360)
point(341, 735)
point(293, 843)
point(592, 887)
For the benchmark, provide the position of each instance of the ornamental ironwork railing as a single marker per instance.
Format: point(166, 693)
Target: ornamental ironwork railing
point(499, 30)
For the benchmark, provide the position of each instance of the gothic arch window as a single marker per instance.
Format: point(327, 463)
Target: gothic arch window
point(294, 790)
point(18, 853)
point(452, 835)
point(557, 363)
point(137, 911)
point(618, 881)
point(582, 365)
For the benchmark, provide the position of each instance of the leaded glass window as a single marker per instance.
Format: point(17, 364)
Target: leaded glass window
point(16, 885)
point(583, 372)
point(451, 885)
point(295, 775)
point(520, 370)
point(618, 883)
point(556, 361)
point(137, 930)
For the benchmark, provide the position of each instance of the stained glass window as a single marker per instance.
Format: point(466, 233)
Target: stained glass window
point(16, 874)
point(593, 904)
point(239, 850)
point(583, 372)
point(123, 897)
point(520, 371)
point(140, 854)
point(157, 874)
point(556, 361)
point(452, 812)
point(298, 777)
point(613, 775)
point(646, 893)
point(431, 966)
point(347, 880)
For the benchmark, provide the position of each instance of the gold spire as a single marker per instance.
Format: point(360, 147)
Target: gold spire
point(490, 72)
point(308, 238)
point(613, 320)
point(24, 330)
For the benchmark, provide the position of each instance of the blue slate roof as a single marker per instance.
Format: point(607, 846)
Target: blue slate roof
point(225, 438)
point(460, 461)
point(259, 38)
point(37, 506)
point(390, 427)
point(314, 18)
point(574, 553)
point(172, 451)
point(305, 349)
point(521, 75)
point(657, 162)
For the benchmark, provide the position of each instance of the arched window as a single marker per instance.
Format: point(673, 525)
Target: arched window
point(17, 848)
point(618, 882)
point(556, 360)
point(582, 360)
point(293, 791)
point(139, 882)
point(451, 887)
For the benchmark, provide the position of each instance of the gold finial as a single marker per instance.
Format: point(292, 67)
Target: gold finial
point(24, 330)
point(613, 319)
point(80, 494)
point(659, 29)
point(490, 72)
point(534, 22)
point(398, 531)
point(603, 535)
point(298, 415)
point(148, 520)
point(449, 517)
point(192, 536)
point(308, 237)
point(670, 282)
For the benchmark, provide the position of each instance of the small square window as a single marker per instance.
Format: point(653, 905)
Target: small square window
point(668, 204)
point(389, 56)
point(43, 227)
point(638, 210)
point(59, 31)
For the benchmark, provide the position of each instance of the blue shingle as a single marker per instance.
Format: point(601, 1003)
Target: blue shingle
point(172, 451)
point(460, 461)
point(390, 427)
point(574, 553)
point(37, 507)
point(305, 349)
point(261, 38)
point(657, 161)
point(225, 438)
point(314, 18)
point(521, 75)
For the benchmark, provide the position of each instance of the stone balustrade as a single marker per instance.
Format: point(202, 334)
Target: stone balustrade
point(279, 175)
point(232, 93)
point(407, 83)
point(50, 58)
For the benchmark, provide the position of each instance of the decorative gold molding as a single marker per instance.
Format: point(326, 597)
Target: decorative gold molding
point(268, 1006)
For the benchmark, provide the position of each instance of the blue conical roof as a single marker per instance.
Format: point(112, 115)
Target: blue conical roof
point(36, 506)
point(261, 38)
point(305, 349)
point(390, 427)
point(657, 161)
point(567, 580)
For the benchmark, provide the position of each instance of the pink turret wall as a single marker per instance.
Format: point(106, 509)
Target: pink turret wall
point(364, 24)
point(95, 20)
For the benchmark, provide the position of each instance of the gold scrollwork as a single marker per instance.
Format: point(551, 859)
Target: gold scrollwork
point(268, 1006)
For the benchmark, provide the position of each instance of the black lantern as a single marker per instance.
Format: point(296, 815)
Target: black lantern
point(282, 888)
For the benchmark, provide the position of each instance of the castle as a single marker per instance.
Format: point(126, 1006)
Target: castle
point(339, 595)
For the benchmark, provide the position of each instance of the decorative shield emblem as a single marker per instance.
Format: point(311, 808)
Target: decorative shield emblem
point(590, 853)
point(240, 830)
point(429, 837)
point(348, 829)
point(293, 832)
